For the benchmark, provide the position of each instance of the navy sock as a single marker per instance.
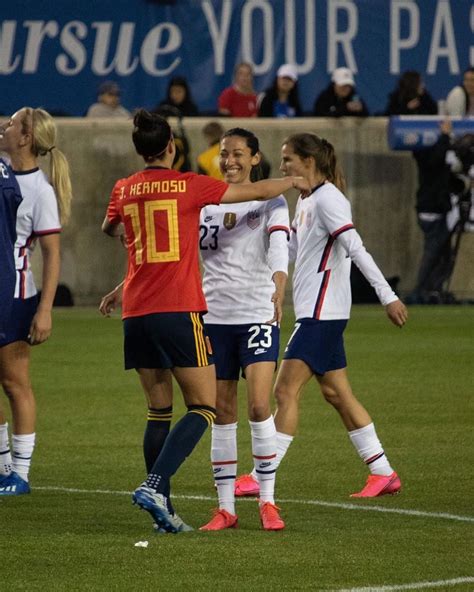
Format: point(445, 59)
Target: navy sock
point(156, 431)
point(178, 446)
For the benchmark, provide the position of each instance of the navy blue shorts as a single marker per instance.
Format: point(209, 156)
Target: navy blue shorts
point(319, 344)
point(237, 346)
point(166, 340)
point(17, 327)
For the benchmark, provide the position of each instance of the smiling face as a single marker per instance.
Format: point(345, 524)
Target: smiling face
point(236, 160)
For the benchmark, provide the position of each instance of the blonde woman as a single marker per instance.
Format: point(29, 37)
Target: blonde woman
point(27, 135)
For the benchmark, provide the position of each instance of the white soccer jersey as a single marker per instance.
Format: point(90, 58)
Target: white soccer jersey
point(242, 245)
point(37, 215)
point(325, 242)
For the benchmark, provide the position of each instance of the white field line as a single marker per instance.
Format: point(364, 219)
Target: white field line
point(402, 511)
point(413, 586)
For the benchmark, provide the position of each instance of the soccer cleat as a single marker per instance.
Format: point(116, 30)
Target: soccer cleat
point(380, 485)
point(221, 520)
point(179, 523)
point(246, 485)
point(13, 484)
point(270, 517)
point(156, 504)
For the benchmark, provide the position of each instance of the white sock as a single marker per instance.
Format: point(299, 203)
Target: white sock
point(5, 454)
point(370, 450)
point(22, 451)
point(283, 443)
point(264, 450)
point(224, 463)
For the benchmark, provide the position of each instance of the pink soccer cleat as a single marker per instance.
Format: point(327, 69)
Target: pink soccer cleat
point(221, 520)
point(270, 517)
point(246, 485)
point(380, 485)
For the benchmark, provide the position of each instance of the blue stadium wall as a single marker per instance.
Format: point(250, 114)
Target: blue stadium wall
point(54, 53)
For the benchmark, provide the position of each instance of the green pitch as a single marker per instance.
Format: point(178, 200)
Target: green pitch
point(77, 530)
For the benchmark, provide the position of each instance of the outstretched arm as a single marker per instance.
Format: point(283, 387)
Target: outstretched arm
point(262, 190)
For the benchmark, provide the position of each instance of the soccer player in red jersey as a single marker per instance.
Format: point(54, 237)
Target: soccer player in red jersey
point(158, 210)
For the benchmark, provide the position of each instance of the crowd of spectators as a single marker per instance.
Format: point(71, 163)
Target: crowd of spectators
point(339, 99)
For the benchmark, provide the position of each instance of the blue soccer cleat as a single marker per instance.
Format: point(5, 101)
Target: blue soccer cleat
point(178, 521)
point(13, 484)
point(156, 504)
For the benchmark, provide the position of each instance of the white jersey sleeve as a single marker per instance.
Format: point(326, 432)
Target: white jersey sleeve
point(354, 247)
point(278, 229)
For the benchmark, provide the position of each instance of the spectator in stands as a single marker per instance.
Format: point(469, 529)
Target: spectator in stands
point(460, 101)
point(281, 99)
point(240, 99)
point(179, 96)
point(340, 97)
point(433, 201)
point(108, 102)
point(410, 97)
point(208, 161)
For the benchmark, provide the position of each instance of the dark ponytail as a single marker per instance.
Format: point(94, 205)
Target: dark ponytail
point(151, 134)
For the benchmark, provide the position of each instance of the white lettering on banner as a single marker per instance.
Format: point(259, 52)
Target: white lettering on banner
point(121, 63)
point(37, 31)
point(69, 39)
point(344, 39)
point(219, 33)
point(443, 24)
point(266, 36)
point(152, 48)
point(7, 38)
point(107, 47)
point(309, 39)
point(396, 42)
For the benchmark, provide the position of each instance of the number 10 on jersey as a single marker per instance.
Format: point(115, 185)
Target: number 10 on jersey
point(142, 218)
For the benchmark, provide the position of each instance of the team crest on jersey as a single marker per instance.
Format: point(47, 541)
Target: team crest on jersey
point(308, 219)
point(230, 220)
point(253, 219)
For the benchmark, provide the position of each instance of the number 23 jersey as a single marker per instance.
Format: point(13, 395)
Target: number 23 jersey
point(160, 211)
point(242, 245)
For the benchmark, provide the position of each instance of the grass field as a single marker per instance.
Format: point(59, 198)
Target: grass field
point(77, 530)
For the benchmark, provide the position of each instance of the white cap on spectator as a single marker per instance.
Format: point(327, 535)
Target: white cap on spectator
point(288, 71)
point(342, 76)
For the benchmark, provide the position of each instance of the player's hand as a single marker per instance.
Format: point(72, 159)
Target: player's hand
point(110, 301)
point(303, 185)
point(40, 328)
point(277, 300)
point(397, 312)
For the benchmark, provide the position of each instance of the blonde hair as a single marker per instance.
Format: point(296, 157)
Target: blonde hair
point(42, 127)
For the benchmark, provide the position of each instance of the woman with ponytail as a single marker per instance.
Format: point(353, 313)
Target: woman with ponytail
point(27, 135)
point(323, 243)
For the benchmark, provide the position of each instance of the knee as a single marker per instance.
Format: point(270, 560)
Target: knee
point(285, 396)
point(259, 411)
point(331, 395)
point(14, 389)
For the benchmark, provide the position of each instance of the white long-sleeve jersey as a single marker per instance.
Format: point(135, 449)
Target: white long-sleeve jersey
point(37, 216)
point(324, 241)
point(242, 245)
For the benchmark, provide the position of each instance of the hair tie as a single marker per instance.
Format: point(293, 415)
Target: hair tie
point(50, 149)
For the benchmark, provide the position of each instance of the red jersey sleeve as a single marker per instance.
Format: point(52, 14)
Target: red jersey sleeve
point(113, 211)
point(209, 191)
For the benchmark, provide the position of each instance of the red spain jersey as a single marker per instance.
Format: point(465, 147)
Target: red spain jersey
point(160, 211)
